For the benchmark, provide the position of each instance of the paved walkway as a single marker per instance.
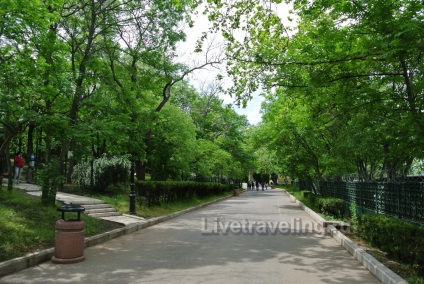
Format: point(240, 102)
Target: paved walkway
point(187, 250)
point(222, 243)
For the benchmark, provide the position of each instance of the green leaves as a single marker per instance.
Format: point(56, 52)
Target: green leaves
point(173, 144)
point(344, 88)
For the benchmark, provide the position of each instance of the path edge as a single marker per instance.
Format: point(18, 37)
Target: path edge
point(379, 270)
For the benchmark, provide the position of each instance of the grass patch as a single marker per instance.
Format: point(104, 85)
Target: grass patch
point(121, 203)
point(27, 226)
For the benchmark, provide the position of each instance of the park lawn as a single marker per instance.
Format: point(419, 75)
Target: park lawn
point(26, 226)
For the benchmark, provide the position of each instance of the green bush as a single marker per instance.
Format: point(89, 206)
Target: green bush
point(332, 206)
point(310, 197)
point(306, 193)
point(157, 192)
point(399, 239)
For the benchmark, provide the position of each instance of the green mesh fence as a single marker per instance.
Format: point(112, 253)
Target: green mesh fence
point(404, 200)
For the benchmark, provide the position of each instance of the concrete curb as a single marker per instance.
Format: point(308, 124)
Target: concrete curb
point(32, 259)
point(384, 274)
point(380, 271)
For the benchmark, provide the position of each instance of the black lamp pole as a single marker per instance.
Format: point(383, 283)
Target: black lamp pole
point(132, 193)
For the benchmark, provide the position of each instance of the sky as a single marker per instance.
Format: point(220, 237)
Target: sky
point(253, 107)
point(207, 75)
point(201, 24)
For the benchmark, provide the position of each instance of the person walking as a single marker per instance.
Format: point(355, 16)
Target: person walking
point(19, 165)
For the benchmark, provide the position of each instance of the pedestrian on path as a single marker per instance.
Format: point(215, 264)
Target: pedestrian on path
point(19, 165)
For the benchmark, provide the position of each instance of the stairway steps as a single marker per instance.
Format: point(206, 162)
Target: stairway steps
point(95, 206)
point(107, 214)
point(99, 210)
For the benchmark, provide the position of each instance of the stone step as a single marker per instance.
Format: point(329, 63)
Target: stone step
point(95, 206)
point(99, 210)
point(124, 219)
point(107, 214)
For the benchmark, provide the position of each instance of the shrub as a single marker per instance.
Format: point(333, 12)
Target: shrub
point(399, 239)
point(157, 192)
point(332, 206)
point(107, 171)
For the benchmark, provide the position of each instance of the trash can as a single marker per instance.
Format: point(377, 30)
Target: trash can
point(69, 239)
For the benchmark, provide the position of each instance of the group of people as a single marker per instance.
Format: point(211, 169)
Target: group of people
point(256, 184)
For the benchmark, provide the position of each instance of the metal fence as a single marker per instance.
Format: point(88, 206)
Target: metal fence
point(404, 200)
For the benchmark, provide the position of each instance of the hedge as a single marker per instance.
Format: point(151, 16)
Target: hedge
point(157, 192)
point(399, 239)
point(332, 206)
point(327, 205)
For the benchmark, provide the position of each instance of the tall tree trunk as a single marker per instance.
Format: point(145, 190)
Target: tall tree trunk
point(48, 143)
point(10, 131)
point(140, 169)
point(73, 115)
point(11, 169)
point(30, 149)
point(48, 139)
point(142, 165)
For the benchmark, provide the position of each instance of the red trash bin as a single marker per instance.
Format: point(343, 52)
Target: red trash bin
point(69, 239)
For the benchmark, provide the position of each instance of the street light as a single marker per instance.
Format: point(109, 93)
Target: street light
point(132, 193)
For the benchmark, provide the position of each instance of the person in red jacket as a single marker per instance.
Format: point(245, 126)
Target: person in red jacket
point(19, 165)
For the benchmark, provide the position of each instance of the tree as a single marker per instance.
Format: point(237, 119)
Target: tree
point(27, 33)
point(173, 144)
point(90, 73)
point(357, 78)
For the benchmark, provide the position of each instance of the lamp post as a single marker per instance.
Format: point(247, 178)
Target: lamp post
point(132, 193)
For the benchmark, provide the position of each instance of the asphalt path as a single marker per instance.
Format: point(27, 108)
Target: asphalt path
point(257, 237)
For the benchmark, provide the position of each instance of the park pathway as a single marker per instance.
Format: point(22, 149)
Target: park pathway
point(257, 237)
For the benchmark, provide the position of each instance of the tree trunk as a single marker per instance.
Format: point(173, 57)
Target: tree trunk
point(140, 169)
point(73, 115)
point(30, 150)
